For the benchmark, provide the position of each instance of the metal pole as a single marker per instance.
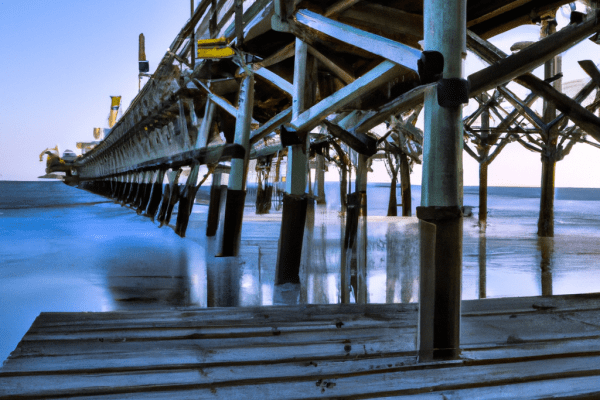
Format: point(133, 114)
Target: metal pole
point(192, 39)
point(441, 199)
point(293, 217)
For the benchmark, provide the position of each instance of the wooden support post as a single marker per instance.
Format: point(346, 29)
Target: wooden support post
point(147, 192)
point(319, 190)
point(362, 296)
point(483, 169)
point(156, 196)
point(236, 190)
point(212, 222)
point(482, 265)
point(546, 216)
point(441, 197)
point(289, 251)
point(546, 247)
point(126, 189)
point(170, 197)
point(405, 186)
point(186, 201)
point(205, 125)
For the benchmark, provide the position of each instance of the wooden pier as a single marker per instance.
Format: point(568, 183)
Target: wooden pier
point(310, 81)
point(525, 348)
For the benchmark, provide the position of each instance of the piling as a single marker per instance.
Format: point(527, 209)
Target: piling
point(441, 199)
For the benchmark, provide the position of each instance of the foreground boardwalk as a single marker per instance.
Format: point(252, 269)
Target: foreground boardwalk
point(532, 347)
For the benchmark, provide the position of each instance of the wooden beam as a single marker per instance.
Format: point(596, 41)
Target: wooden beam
point(530, 58)
point(361, 143)
point(339, 6)
point(578, 114)
point(590, 68)
point(276, 80)
point(340, 72)
point(280, 55)
point(405, 101)
point(274, 123)
point(310, 118)
point(387, 18)
point(218, 100)
point(375, 44)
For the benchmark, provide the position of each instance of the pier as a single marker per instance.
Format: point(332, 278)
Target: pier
point(289, 87)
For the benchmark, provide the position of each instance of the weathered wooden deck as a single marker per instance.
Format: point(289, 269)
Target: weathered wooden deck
point(533, 347)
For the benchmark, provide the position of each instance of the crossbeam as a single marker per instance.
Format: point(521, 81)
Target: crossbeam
point(375, 44)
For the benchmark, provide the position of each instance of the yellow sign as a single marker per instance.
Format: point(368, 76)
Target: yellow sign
point(115, 101)
point(214, 48)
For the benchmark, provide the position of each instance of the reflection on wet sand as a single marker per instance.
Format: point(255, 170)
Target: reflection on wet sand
point(390, 268)
point(546, 248)
point(144, 277)
point(504, 266)
point(482, 264)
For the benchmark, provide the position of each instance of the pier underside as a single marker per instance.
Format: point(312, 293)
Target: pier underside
point(526, 348)
point(308, 82)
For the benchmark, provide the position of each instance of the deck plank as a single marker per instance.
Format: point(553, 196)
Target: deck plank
point(510, 348)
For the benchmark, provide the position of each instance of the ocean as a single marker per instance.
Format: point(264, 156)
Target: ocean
point(64, 249)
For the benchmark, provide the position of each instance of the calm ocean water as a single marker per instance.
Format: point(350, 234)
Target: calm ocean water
point(64, 249)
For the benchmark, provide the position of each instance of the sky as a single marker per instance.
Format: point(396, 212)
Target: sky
point(63, 59)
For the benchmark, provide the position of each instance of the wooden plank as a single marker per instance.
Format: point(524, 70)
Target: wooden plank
point(160, 355)
point(80, 383)
point(568, 388)
point(316, 312)
point(404, 381)
point(375, 44)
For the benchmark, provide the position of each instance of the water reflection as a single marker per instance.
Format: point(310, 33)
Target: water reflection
point(546, 248)
point(145, 276)
point(482, 264)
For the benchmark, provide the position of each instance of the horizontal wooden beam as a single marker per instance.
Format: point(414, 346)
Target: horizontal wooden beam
point(375, 44)
point(388, 18)
point(205, 155)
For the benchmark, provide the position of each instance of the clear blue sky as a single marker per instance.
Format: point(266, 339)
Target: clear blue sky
point(63, 59)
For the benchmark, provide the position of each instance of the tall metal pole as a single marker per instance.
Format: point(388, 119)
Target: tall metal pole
point(441, 197)
point(295, 202)
point(192, 39)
